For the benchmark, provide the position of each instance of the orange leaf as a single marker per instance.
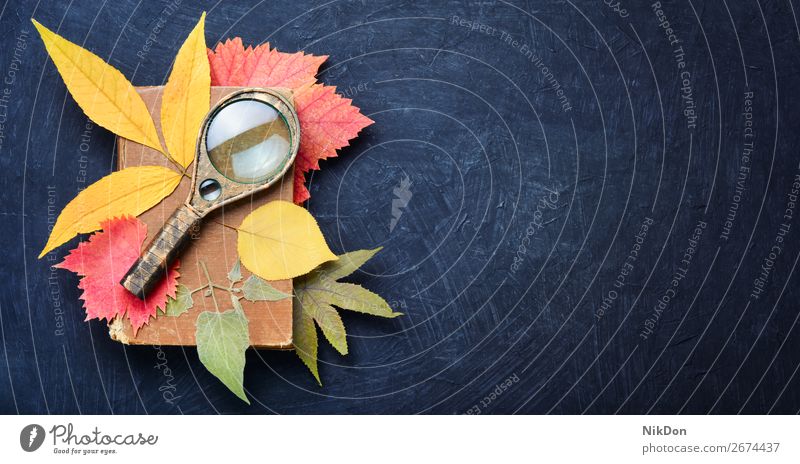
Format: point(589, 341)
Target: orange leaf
point(102, 262)
point(232, 64)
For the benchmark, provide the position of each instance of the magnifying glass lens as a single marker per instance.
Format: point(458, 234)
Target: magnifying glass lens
point(248, 141)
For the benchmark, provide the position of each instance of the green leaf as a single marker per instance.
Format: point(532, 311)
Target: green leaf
point(235, 275)
point(222, 339)
point(182, 302)
point(331, 324)
point(349, 296)
point(305, 339)
point(258, 289)
point(315, 295)
point(347, 263)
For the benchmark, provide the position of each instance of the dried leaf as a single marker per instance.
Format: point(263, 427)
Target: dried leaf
point(222, 339)
point(100, 90)
point(315, 295)
point(331, 324)
point(280, 241)
point(304, 338)
point(235, 274)
point(181, 303)
point(233, 64)
point(130, 191)
point(258, 289)
point(301, 193)
point(348, 296)
point(347, 263)
point(327, 121)
point(103, 261)
point(185, 101)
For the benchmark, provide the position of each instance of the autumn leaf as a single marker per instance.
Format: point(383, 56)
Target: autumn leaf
point(304, 338)
point(258, 289)
point(103, 260)
point(182, 302)
point(222, 339)
point(185, 100)
point(281, 240)
point(234, 65)
point(327, 121)
point(347, 264)
point(301, 193)
point(318, 292)
point(130, 191)
point(235, 274)
point(100, 90)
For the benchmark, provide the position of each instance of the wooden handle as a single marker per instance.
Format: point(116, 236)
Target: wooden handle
point(152, 265)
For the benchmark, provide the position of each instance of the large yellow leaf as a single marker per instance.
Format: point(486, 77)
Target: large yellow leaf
point(130, 191)
point(186, 97)
point(101, 91)
point(281, 240)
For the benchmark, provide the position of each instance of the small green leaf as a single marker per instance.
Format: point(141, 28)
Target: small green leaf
point(258, 289)
point(235, 275)
point(182, 302)
point(222, 339)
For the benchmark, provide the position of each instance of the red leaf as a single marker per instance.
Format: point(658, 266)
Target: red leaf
point(327, 121)
point(103, 260)
point(233, 64)
point(301, 193)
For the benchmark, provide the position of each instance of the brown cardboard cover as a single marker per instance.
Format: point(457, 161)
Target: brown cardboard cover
point(270, 322)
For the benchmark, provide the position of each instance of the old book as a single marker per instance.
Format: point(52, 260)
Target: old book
point(215, 246)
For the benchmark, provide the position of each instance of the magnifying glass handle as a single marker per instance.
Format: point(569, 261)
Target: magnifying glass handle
point(152, 265)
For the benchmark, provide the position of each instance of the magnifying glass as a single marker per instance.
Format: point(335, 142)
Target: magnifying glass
point(247, 142)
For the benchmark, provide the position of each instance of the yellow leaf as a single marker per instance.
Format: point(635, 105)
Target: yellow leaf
point(101, 91)
point(186, 97)
point(281, 240)
point(130, 191)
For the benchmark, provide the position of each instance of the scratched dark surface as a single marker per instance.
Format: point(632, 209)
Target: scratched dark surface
point(517, 150)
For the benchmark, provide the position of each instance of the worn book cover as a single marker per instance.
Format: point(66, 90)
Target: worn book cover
point(214, 245)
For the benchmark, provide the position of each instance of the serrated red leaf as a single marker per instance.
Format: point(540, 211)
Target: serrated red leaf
point(327, 121)
point(301, 193)
point(102, 262)
point(233, 64)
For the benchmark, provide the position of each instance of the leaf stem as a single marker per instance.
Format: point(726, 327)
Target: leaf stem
point(230, 289)
point(199, 288)
point(210, 284)
point(225, 225)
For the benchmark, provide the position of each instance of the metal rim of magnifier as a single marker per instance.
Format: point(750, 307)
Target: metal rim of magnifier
point(232, 190)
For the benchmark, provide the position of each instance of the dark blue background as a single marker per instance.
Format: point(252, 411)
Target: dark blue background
point(477, 128)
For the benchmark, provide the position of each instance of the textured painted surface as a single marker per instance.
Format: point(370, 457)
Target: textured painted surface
point(508, 211)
